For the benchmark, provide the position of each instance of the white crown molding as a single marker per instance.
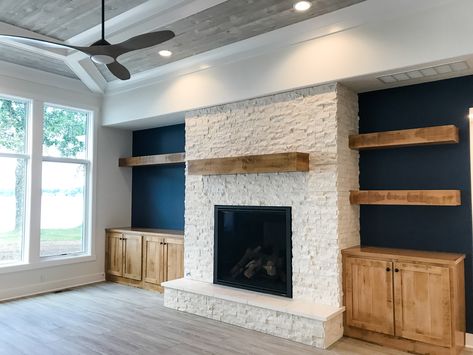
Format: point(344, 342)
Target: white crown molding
point(159, 13)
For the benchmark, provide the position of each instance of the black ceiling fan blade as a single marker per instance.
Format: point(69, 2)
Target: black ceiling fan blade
point(50, 44)
point(144, 41)
point(36, 41)
point(119, 71)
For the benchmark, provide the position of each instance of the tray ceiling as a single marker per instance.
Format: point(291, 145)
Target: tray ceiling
point(196, 32)
point(15, 55)
point(226, 23)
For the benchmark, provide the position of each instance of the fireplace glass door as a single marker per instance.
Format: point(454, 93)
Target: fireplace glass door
point(253, 248)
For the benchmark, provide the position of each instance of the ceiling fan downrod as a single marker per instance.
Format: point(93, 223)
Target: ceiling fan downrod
point(102, 58)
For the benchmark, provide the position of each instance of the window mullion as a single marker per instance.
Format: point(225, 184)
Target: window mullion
point(36, 145)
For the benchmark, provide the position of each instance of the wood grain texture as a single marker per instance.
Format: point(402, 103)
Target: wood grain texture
point(61, 19)
point(438, 258)
point(148, 231)
point(33, 60)
point(108, 318)
point(153, 260)
point(447, 134)
point(429, 301)
point(406, 197)
point(423, 304)
point(369, 294)
point(407, 345)
point(174, 259)
point(114, 254)
point(145, 258)
point(250, 164)
point(132, 256)
point(161, 159)
point(223, 24)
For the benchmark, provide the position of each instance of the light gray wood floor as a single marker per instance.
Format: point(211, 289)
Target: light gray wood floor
point(113, 319)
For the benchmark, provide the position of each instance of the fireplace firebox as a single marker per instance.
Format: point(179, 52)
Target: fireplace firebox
point(253, 248)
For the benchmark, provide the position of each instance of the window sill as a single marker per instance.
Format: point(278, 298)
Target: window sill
point(47, 263)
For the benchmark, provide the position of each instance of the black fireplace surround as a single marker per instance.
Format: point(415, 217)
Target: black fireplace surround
point(253, 248)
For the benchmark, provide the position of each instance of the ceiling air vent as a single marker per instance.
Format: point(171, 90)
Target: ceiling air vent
point(424, 72)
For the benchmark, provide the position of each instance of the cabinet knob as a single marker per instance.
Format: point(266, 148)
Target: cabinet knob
point(396, 270)
point(388, 269)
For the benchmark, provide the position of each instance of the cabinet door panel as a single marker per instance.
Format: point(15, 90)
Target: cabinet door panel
point(153, 265)
point(369, 294)
point(133, 254)
point(175, 259)
point(114, 254)
point(422, 303)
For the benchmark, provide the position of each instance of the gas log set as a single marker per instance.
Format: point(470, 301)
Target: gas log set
point(255, 263)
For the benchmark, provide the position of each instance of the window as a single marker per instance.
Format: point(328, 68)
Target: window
point(14, 157)
point(45, 179)
point(64, 181)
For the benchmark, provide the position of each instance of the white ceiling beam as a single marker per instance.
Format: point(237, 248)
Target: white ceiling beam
point(87, 72)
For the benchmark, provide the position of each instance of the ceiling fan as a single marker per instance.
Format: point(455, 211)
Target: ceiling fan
point(102, 52)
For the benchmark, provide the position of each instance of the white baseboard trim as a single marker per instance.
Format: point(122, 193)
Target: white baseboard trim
point(469, 341)
point(45, 287)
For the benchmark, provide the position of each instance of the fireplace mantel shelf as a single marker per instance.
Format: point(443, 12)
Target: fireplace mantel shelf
point(305, 309)
point(251, 164)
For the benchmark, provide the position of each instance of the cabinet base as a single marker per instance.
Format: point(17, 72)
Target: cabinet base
point(407, 345)
point(134, 283)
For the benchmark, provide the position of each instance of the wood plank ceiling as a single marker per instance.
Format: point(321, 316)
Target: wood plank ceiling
point(226, 23)
point(223, 24)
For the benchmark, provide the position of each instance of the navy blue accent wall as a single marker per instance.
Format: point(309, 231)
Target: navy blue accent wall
point(158, 191)
point(424, 167)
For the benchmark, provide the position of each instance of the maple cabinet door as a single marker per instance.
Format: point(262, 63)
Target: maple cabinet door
point(369, 294)
point(175, 259)
point(422, 303)
point(114, 253)
point(153, 263)
point(133, 256)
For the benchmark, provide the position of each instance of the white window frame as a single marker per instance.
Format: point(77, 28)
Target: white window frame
point(31, 238)
point(27, 157)
point(87, 162)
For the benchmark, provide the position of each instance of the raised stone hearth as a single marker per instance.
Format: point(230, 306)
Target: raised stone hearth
point(300, 321)
point(318, 121)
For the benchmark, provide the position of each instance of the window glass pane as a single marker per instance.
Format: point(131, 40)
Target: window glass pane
point(65, 132)
point(13, 118)
point(12, 207)
point(62, 208)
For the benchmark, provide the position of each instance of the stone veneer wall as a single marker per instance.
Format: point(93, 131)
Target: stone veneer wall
point(316, 120)
point(320, 334)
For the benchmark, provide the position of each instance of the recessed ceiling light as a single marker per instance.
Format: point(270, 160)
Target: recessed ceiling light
point(302, 6)
point(165, 53)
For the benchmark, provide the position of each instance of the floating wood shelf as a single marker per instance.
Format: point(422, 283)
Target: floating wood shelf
point(406, 197)
point(161, 159)
point(250, 164)
point(405, 138)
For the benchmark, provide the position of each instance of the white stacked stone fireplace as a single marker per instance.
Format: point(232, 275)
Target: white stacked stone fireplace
point(318, 121)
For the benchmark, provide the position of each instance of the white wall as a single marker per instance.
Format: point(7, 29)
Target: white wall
point(440, 32)
point(112, 194)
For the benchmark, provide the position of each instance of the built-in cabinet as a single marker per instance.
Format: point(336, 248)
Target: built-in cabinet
point(411, 300)
point(144, 257)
